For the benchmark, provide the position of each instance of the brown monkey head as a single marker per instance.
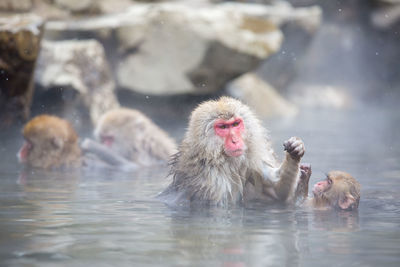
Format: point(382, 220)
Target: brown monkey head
point(339, 190)
point(50, 142)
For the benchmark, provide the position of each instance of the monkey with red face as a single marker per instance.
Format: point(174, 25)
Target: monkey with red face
point(339, 191)
point(132, 135)
point(52, 143)
point(226, 158)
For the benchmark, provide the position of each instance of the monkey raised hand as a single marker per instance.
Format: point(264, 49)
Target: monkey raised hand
point(295, 147)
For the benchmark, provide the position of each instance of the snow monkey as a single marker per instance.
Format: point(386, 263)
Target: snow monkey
point(52, 143)
point(226, 158)
point(131, 134)
point(339, 190)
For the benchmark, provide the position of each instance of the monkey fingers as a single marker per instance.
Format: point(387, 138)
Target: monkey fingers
point(305, 171)
point(289, 145)
point(295, 147)
point(306, 168)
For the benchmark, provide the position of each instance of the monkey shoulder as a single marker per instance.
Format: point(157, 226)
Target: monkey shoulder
point(269, 173)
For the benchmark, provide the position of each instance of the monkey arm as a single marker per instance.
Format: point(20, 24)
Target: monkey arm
point(107, 155)
point(290, 169)
point(301, 192)
point(287, 177)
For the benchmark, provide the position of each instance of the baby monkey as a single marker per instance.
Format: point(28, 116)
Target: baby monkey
point(339, 191)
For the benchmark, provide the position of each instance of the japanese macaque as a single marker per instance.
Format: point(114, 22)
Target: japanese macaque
point(50, 142)
point(226, 158)
point(339, 191)
point(131, 134)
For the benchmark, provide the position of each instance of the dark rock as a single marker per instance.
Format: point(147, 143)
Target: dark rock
point(20, 38)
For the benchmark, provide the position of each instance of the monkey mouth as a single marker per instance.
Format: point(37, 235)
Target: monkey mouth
point(235, 153)
point(107, 140)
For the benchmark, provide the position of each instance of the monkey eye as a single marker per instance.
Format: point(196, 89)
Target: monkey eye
point(236, 123)
point(222, 126)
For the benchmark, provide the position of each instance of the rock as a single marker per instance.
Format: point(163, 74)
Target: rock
point(281, 68)
point(261, 96)
point(320, 96)
point(393, 2)
point(20, 38)
point(15, 5)
point(115, 6)
point(80, 65)
point(387, 15)
point(76, 5)
point(176, 48)
point(92, 7)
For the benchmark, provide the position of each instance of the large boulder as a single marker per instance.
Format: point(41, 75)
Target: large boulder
point(20, 38)
point(261, 96)
point(91, 7)
point(386, 15)
point(82, 67)
point(76, 5)
point(15, 5)
point(320, 96)
point(175, 48)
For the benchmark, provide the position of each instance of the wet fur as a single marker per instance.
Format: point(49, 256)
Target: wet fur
point(202, 173)
point(55, 143)
point(343, 185)
point(136, 137)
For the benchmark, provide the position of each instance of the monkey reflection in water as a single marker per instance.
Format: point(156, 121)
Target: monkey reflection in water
point(226, 158)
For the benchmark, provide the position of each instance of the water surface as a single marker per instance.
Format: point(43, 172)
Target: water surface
point(112, 219)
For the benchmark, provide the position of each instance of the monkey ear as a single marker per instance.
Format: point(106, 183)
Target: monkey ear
point(346, 202)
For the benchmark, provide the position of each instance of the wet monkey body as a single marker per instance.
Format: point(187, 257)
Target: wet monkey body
point(226, 158)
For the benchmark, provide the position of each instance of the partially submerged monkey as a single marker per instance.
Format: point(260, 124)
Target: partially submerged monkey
point(52, 143)
point(339, 191)
point(131, 134)
point(128, 139)
point(226, 158)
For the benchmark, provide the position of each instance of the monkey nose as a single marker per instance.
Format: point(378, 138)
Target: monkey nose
point(234, 140)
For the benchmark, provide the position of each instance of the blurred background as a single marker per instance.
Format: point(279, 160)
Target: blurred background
point(78, 59)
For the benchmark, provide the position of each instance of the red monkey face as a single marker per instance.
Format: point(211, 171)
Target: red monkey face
point(322, 186)
point(231, 131)
point(107, 140)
